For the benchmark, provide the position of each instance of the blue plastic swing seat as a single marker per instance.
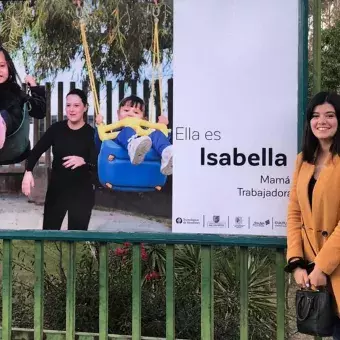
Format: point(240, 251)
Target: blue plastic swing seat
point(116, 172)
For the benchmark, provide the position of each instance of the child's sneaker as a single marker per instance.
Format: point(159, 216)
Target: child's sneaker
point(166, 165)
point(2, 132)
point(138, 148)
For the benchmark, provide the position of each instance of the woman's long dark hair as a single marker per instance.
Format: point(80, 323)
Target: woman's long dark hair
point(310, 143)
point(12, 72)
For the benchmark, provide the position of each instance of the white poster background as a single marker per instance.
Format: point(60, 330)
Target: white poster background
point(236, 72)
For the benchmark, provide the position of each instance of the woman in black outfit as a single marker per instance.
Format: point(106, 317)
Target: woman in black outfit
point(74, 158)
point(12, 100)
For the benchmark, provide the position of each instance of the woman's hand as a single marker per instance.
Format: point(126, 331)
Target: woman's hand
point(163, 120)
point(317, 278)
point(301, 277)
point(30, 81)
point(99, 119)
point(73, 162)
point(27, 183)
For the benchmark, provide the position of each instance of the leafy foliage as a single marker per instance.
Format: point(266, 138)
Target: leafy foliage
point(262, 303)
point(330, 56)
point(119, 34)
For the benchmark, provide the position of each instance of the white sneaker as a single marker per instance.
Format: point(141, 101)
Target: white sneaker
point(2, 132)
point(138, 148)
point(166, 164)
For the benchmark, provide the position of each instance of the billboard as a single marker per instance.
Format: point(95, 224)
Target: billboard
point(236, 115)
point(226, 101)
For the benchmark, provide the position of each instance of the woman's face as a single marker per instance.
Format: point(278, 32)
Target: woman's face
point(324, 123)
point(4, 71)
point(75, 108)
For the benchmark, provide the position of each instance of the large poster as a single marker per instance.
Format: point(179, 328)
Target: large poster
point(236, 112)
point(220, 79)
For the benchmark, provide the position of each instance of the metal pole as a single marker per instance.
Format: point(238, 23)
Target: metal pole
point(316, 46)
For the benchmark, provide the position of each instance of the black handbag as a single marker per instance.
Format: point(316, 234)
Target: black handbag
point(315, 310)
point(315, 314)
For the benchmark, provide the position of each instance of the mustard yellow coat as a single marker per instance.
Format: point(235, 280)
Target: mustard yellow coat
point(322, 224)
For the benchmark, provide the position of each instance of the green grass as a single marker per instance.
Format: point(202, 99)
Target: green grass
point(23, 258)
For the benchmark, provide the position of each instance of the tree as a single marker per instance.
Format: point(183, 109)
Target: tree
point(119, 34)
point(330, 50)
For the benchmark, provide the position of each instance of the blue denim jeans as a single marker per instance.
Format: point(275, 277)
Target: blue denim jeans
point(159, 140)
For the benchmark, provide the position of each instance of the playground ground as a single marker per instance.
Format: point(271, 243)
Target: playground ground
point(19, 214)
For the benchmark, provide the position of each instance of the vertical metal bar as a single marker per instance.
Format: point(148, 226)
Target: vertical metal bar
point(97, 83)
point(157, 100)
point(302, 67)
point(121, 91)
point(280, 294)
point(39, 290)
point(71, 291)
point(244, 299)
point(7, 290)
point(316, 46)
point(170, 296)
point(134, 87)
point(60, 101)
point(170, 102)
point(146, 96)
point(136, 292)
point(85, 88)
point(109, 102)
point(48, 120)
point(207, 293)
point(103, 292)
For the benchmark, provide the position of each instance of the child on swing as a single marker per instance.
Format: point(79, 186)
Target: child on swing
point(139, 146)
point(12, 98)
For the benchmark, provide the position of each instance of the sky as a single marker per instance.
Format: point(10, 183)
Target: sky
point(74, 74)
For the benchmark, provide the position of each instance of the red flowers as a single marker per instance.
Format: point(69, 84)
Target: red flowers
point(144, 254)
point(121, 251)
point(126, 248)
point(151, 276)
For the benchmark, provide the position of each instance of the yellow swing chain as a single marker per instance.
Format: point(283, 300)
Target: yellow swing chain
point(156, 63)
point(104, 129)
point(81, 16)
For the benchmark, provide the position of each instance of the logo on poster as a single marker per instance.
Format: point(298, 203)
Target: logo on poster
point(180, 220)
point(239, 222)
point(216, 222)
point(261, 224)
point(280, 224)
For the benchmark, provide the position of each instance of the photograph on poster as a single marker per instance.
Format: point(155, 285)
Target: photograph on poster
point(101, 160)
point(120, 145)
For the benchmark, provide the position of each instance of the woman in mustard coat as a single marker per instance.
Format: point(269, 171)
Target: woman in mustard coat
point(313, 221)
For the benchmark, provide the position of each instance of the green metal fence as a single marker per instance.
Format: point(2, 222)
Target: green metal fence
point(207, 243)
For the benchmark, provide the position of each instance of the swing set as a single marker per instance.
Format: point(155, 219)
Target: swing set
point(17, 145)
point(115, 170)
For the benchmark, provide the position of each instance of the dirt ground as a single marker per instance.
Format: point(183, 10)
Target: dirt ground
point(17, 213)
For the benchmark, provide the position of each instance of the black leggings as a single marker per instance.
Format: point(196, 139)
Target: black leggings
point(78, 201)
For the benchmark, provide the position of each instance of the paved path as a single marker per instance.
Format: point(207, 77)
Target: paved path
point(17, 213)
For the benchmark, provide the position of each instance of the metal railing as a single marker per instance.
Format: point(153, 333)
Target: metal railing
point(207, 244)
